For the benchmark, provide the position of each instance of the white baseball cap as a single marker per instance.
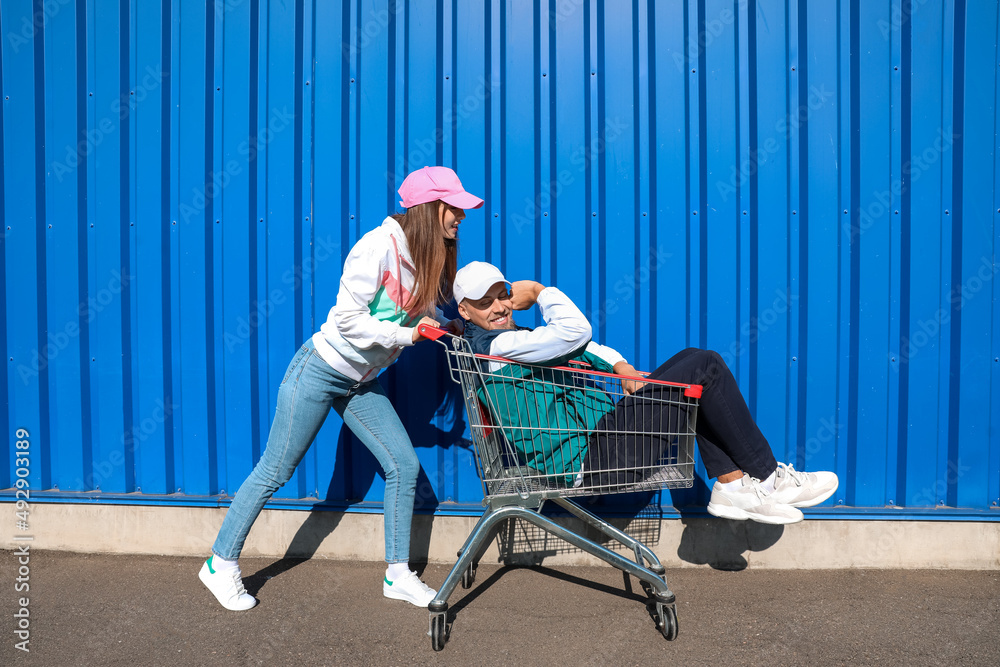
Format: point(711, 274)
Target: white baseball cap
point(474, 279)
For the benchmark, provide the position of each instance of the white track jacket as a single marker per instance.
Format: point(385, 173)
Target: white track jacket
point(368, 327)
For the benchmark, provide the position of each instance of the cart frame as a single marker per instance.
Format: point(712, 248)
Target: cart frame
point(513, 490)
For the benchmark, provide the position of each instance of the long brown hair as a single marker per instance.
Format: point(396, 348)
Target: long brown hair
point(434, 257)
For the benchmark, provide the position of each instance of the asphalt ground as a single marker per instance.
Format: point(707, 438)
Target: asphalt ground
point(88, 609)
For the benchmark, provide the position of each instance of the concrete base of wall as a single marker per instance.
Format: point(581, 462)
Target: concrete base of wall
point(817, 544)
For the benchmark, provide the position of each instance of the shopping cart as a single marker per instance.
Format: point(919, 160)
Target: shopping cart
point(553, 432)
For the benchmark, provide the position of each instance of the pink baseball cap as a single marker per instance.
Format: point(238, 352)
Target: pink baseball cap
point(433, 183)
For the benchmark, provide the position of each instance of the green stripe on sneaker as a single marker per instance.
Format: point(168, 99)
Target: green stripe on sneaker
point(209, 563)
point(387, 580)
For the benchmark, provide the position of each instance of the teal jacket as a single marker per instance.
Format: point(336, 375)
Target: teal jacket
point(544, 413)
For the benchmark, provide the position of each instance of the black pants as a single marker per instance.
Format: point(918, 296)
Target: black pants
point(728, 437)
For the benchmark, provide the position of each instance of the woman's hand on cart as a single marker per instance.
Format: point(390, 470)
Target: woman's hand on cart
point(428, 321)
point(455, 327)
point(629, 386)
point(524, 293)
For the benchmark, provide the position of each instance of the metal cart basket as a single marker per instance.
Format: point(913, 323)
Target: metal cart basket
point(552, 432)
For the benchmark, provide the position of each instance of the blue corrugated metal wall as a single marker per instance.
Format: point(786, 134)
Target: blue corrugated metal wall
point(809, 188)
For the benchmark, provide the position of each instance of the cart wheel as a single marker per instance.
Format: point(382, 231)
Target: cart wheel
point(439, 630)
point(468, 577)
point(668, 620)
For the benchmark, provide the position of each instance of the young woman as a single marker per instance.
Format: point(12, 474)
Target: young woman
point(393, 277)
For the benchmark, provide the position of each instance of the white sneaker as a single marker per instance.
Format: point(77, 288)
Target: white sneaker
point(802, 489)
point(227, 587)
point(409, 588)
point(750, 501)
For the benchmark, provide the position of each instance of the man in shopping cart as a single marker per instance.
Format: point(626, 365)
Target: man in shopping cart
point(750, 483)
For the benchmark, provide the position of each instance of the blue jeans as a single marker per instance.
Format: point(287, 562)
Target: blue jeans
point(310, 388)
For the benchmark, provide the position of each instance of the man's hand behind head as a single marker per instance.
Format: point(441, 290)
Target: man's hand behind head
point(524, 293)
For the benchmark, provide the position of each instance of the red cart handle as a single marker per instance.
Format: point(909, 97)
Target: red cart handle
point(690, 390)
point(433, 333)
